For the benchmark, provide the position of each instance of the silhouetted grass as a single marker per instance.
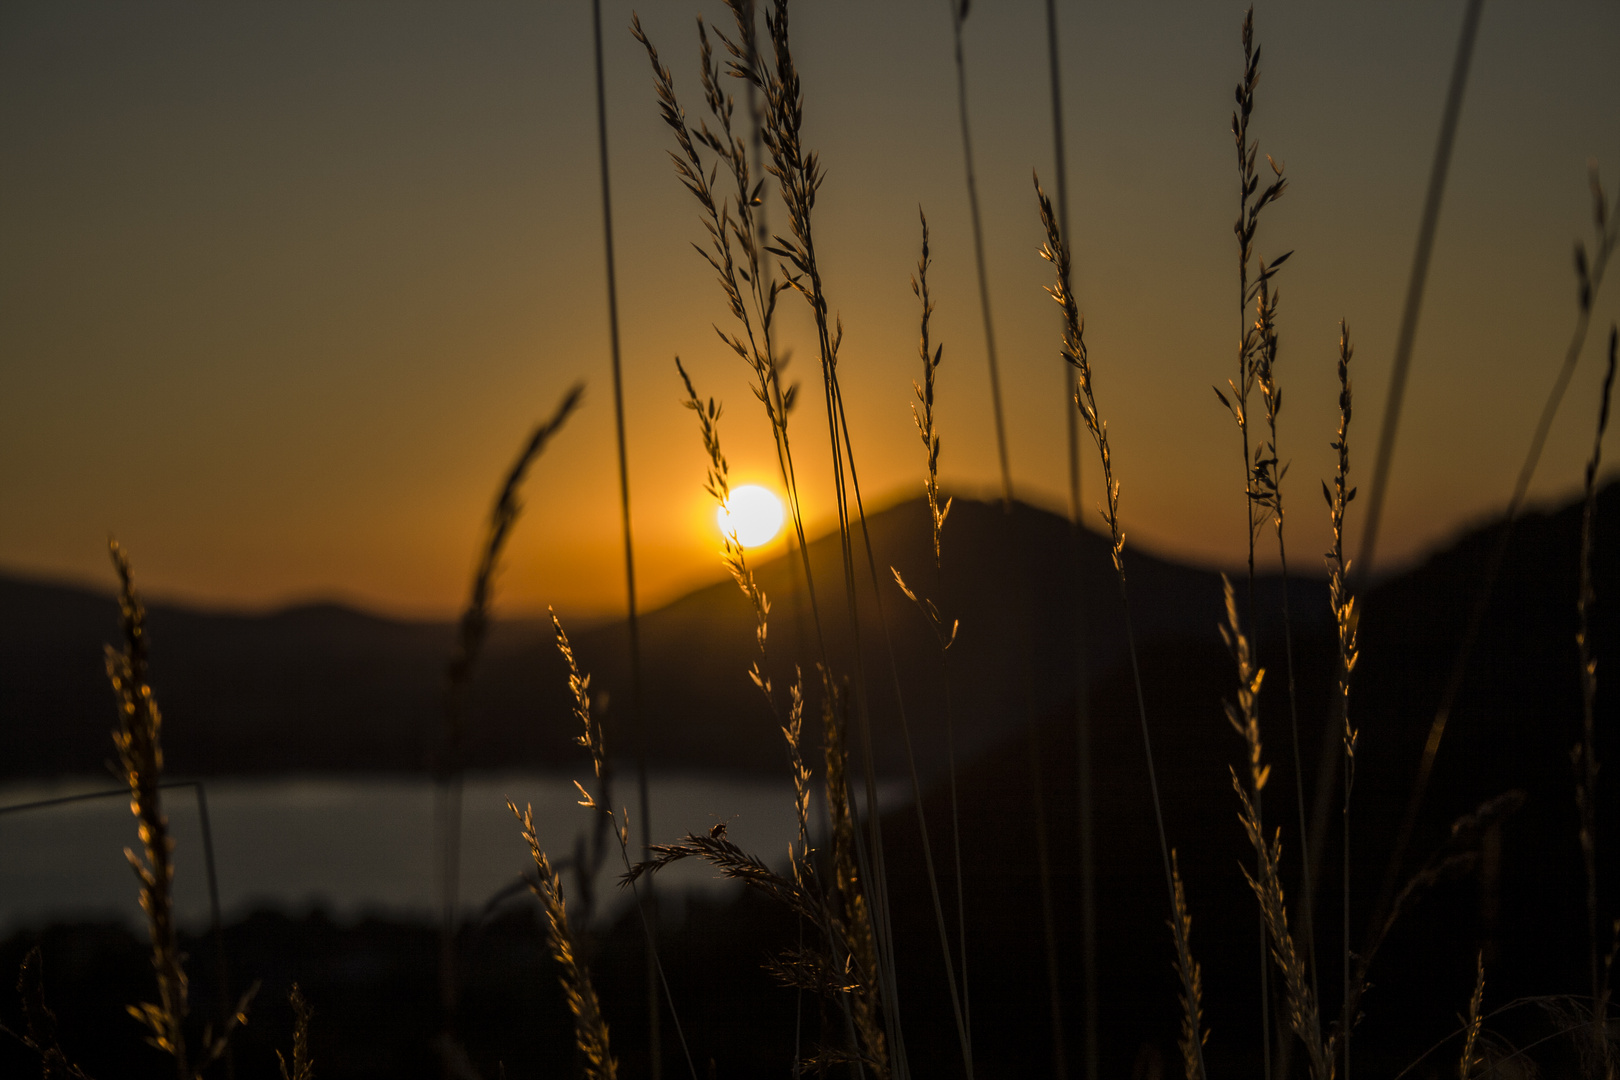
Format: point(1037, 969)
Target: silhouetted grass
point(838, 893)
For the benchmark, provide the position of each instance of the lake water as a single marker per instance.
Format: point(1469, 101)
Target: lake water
point(351, 845)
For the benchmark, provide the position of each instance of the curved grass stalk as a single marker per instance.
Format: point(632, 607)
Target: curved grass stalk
point(1056, 252)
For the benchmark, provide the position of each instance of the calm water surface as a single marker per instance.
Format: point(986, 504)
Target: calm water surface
point(349, 845)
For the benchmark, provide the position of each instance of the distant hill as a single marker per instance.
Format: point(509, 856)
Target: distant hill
point(326, 687)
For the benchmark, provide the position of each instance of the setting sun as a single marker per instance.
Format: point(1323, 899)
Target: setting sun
point(753, 514)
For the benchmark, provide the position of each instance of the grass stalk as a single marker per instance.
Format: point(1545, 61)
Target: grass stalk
point(1465, 1067)
point(594, 739)
point(1589, 275)
point(734, 557)
point(1303, 1013)
point(40, 1035)
point(959, 11)
point(1191, 976)
point(1347, 621)
point(1060, 161)
point(737, 246)
point(1407, 334)
point(590, 1029)
point(471, 632)
point(1584, 755)
point(1266, 482)
point(303, 1066)
point(1252, 201)
point(928, 429)
point(799, 176)
point(632, 622)
point(140, 753)
point(1082, 686)
point(1074, 352)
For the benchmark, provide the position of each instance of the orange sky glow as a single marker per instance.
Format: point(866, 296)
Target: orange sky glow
point(283, 289)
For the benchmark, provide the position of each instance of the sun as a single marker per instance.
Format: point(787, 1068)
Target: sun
point(753, 513)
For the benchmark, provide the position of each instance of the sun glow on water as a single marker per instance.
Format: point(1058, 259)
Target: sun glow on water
point(753, 514)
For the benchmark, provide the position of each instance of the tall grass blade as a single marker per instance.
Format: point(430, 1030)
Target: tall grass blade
point(140, 753)
point(1584, 755)
point(1589, 280)
point(959, 10)
point(471, 631)
point(632, 622)
point(1414, 286)
point(1074, 352)
point(1082, 684)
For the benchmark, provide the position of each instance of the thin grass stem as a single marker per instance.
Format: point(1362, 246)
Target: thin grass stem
point(1589, 277)
point(959, 10)
point(632, 621)
point(1074, 352)
point(1407, 333)
point(1584, 756)
point(471, 631)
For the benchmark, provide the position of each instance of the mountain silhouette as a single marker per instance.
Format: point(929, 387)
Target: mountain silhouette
point(326, 687)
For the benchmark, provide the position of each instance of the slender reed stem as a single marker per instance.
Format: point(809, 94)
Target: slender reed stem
point(1589, 277)
point(1347, 620)
point(594, 739)
point(1037, 782)
point(736, 223)
point(1414, 287)
point(1584, 755)
point(140, 753)
point(1465, 1067)
point(1082, 687)
point(1193, 1032)
point(959, 9)
point(799, 175)
point(471, 632)
point(1056, 252)
point(632, 622)
point(1060, 160)
point(1266, 483)
point(1302, 1013)
point(1252, 200)
point(928, 429)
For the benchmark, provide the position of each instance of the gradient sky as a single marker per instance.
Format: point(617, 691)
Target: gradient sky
point(283, 287)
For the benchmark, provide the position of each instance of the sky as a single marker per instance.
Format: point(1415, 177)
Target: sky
point(284, 287)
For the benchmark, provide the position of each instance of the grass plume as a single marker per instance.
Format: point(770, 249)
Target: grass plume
point(1256, 346)
point(1191, 976)
point(1056, 252)
point(928, 429)
point(40, 1035)
point(1465, 1067)
point(140, 754)
point(1347, 622)
point(303, 1066)
point(1303, 1015)
point(593, 738)
point(471, 631)
point(590, 1029)
point(732, 555)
